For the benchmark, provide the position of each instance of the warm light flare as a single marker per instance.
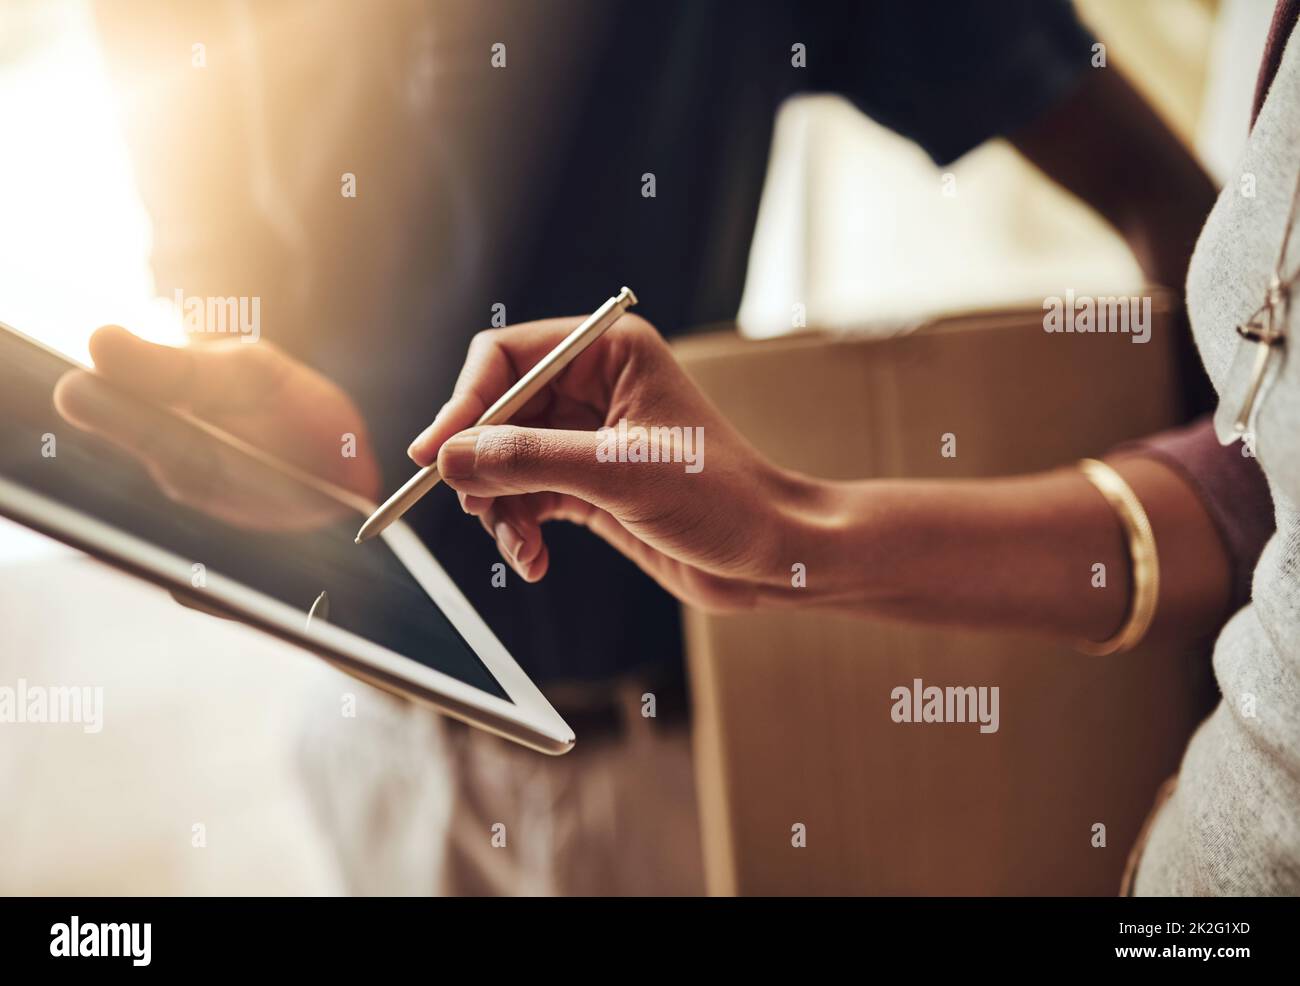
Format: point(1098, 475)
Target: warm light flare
point(74, 236)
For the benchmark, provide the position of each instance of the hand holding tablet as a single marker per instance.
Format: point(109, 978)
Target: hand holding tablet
point(169, 497)
point(254, 393)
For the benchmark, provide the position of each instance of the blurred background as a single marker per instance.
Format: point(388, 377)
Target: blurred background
point(851, 221)
point(849, 212)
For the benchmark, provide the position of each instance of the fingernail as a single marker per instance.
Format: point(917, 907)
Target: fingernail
point(418, 441)
point(509, 539)
point(458, 456)
point(423, 436)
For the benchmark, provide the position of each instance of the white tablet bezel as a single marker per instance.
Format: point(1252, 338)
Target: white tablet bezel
point(528, 718)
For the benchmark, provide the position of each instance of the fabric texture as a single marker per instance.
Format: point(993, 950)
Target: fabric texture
point(1284, 19)
point(616, 817)
point(1231, 487)
point(1232, 825)
point(950, 76)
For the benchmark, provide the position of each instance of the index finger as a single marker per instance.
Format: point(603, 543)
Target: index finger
point(496, 359)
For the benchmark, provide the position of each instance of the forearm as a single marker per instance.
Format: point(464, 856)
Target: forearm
point(1015, 553)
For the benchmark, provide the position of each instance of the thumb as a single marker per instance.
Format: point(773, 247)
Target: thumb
point(506, 460)
point(227, 374)
point(146, 369)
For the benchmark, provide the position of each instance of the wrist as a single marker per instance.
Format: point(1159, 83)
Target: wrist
point(829, 541)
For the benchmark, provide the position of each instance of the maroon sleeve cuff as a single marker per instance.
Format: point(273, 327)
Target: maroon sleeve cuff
point(1232, 487)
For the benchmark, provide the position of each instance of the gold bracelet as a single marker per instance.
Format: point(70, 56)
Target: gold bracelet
point(1142, 557)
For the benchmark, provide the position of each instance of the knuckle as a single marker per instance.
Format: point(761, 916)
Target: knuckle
point(483, 339)
point(515, 448)
point(641, 339)
point(634, 326)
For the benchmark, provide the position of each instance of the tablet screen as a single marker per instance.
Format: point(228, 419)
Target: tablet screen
point(215, 506)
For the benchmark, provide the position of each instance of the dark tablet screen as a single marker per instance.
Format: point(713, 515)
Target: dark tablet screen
point(222, 509)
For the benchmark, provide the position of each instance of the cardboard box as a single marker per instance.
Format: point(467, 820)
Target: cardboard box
point(792, 709)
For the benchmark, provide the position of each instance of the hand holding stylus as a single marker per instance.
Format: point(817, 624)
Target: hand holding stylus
point(507, 405)
point(711, 535)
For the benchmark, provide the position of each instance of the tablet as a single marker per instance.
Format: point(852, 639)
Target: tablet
point(252, 538)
